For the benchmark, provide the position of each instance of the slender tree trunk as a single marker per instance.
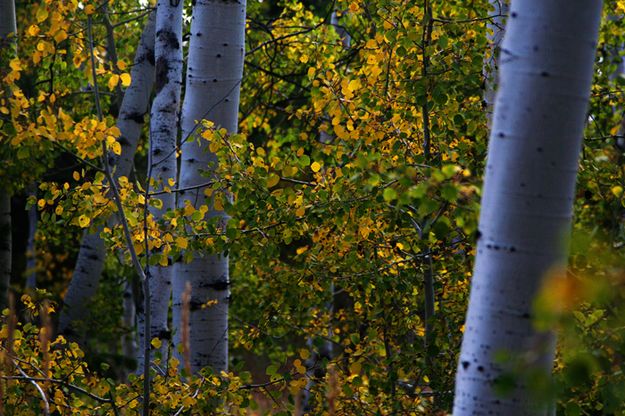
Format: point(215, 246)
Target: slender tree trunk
point(546, 69)
point(491, 63)
point(162, 161)
point(8, 26)
point(313, 372)
point(5, 247)
point(129, 341)
point(134, 106)
point(215, 70)
point(31, 249)
point(7, 23)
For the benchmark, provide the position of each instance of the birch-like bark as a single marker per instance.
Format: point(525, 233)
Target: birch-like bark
point(546, 69)
point(162, 161)
point(8, 26)
point(495, 28)
point(215, 70)
point(135, 104)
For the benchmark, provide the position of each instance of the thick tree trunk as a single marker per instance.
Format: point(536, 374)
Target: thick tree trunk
point(162, 160)
point(546, 68)
point(134, 106)
point(216, 54)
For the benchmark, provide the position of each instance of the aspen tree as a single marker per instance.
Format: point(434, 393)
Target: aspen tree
point(134, 106)
point(545, 73)
point(162, 165)
point(215, 70)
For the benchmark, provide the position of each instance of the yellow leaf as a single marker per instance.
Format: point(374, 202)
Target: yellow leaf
point(182, 242)
point(116, 148)
point(58, 210)
point(90, 9)
point(188, 208)
point(76, 176)
point(121, 65)
point(218, 204)
point(15, 65)
point(156, 203)
point(84, 221)
point(41, 203)
point(113, 81)
point(354, 84)
point(299, 367)
point(33, 30)
point(300, 211)
point(156, 343)
point(617, 191)
point(42, 14)
point(315, 166)
point(60, 36)
point(272, 180)
point(301, 250)
point(125, 79)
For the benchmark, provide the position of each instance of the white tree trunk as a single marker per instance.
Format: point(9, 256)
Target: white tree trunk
point(546, 69)
point(491, 63)
point(135, 104)
point(162, 159)
point(215, 70)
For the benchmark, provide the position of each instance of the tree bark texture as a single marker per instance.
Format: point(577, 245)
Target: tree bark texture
point(162, 158)
point(491, 63)
point(215, 70)
point(546, 69)
point(135, 104)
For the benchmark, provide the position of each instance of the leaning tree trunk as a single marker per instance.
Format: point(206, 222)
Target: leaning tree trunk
point(162, 164)
point(215, 70)
point(546, 69)
point(134, 106)
point(8, 28)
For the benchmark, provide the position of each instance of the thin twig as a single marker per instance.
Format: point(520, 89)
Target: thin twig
point(46, 405)
point(120, 211)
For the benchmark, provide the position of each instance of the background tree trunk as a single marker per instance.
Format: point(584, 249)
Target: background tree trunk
point(135, 104)
point(162, 160)
point(215, 70)
point(8, 26)
point(545, 73)
point(491, 63)
point(5, 247)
